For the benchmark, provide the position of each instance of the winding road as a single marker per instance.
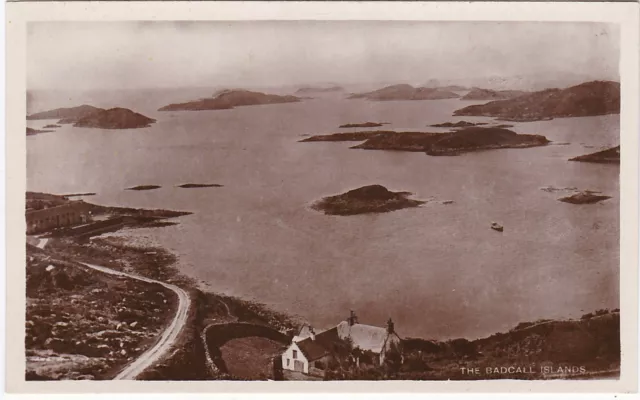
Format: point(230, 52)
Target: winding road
point(168, 337)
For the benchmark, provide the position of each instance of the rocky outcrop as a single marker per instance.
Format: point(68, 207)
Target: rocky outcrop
point(587, 99)
point(228, 99)
point(367, 199)
point(114, 118)
point(488, 94)
point(608, 156)
point(405, 92)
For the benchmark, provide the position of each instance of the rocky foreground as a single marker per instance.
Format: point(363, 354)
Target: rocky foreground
point(81, 324)
point(608, 156)
point(405, 92)
point(364, 200)
point(228, 99)
point(437, 143)
point(587, 99)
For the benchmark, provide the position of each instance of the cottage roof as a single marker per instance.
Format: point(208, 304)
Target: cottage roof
point(321, 346)
point(366, 337)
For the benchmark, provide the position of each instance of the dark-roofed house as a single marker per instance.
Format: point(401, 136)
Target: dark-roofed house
point(310, 353)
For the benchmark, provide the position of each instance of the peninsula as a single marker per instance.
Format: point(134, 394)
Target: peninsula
point(586, 99)
point(405, 92)
point(228, 99)
point(364, 200)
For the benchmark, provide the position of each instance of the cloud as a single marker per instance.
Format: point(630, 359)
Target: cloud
point(83, 55)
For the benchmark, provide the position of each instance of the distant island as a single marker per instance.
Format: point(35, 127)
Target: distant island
point(437, 144)
point(367, 199)
point(460, 124)
point(86, 116)
point(66, 115)
point(312, 90)
point(587, 99)
point(114, 118)
point(144, 187)
point(488, 94)
point(451, 88)
point(608, 156)
point(52, 126)
point(31, 131)
point(584, 197)
point(228, 99)
point(198, 185)
point(363, 125)
point(405, 92)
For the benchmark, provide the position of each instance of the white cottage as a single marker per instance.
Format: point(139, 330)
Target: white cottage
point(310, 353)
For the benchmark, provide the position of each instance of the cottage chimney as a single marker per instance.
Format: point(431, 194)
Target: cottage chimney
point(353, 319)
point(390, 327)
point(312, 333)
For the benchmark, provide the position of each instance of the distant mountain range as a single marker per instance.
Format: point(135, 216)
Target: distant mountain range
point(405, 92)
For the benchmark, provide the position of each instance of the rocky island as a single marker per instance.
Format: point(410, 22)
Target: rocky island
point(488, 94)
point(405, 92)
point(363, 125)
point(436, 143)
point(144, 187)
point(228, 99)
point(66, 115)
point(587, 99)
point(459, 124)
point(31, 131)
point(364, 200)
point(584, 197)
point(198, 185)
point(86, 116)
point(608, 156)
point(114, 118)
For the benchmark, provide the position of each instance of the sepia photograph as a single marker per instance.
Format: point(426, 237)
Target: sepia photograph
point(322, 200)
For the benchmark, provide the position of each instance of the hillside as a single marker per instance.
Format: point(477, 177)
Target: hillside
point(114, 118)
point(405, 92)
point(228, 99)
point(586, 348)
point(608, 156)
point(587, 99)
point(66, 115)
point(488, 94)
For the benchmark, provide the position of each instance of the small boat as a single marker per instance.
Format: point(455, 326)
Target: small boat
point(497, 227)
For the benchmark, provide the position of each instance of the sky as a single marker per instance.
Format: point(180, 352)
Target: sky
point(129, 55)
